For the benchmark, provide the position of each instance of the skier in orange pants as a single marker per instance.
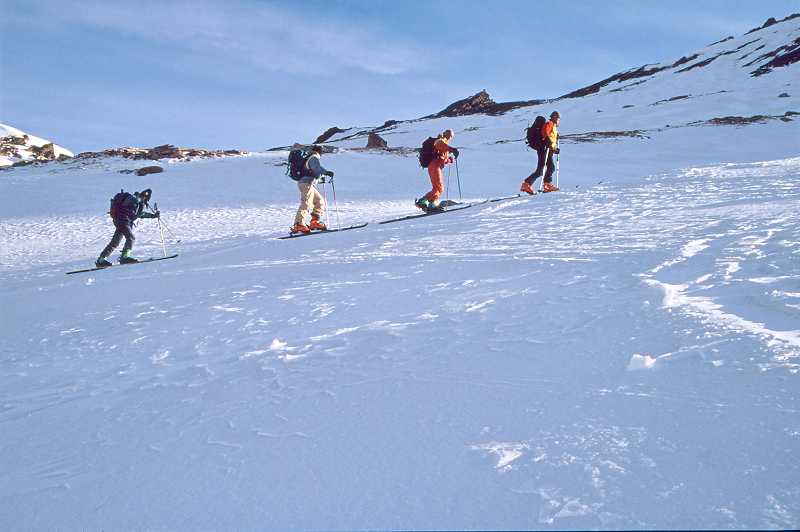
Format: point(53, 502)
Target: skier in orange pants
point(439, 157)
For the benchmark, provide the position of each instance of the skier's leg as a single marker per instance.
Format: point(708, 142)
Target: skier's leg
point(548, 175)
point(319, 209)
point(318, 202)
point(112, 245)
point(541, 158)
point(127, 232)
point(437, 181)
point(305, 202)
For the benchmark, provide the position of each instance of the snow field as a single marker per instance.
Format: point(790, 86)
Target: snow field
point(471, 369)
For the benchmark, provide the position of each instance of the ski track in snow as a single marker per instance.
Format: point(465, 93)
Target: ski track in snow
point(531, 292)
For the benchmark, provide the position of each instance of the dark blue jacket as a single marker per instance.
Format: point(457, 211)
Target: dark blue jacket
point(131, 209)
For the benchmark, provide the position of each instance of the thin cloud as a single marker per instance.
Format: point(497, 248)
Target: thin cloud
point(271, 38)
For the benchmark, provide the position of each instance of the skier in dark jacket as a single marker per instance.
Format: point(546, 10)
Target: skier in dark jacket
point(126, 208)
point(547, 146)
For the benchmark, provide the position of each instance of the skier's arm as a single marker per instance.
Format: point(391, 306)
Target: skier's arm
point(146, 214)
point(316, 169)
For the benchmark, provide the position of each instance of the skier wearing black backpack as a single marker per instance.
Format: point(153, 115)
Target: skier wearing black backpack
point(126, 208)
point(542, 136)
point(434, 155)
point(305, 168)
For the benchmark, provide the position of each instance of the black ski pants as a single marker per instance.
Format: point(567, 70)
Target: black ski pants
point(123, 229)
point(545, 157)
point(551, 167)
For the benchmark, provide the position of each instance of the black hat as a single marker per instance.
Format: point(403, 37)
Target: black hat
point(316, 148)
point(146, 192)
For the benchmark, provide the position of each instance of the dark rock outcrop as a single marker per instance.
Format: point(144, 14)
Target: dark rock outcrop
point(771, 20)
point(642, 71)
point(16, 147)
point(781, 57)
point(145, 170)
point(477, 103)
point(328, 134)
point(481, 103)
point(376, 141)
point(165, 151)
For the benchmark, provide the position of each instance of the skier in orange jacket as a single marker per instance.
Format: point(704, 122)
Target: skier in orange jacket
point(550, 136)
point(441, 156)
point(545, 148)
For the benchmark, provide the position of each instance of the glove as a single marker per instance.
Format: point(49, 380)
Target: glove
point(454, 151)
point(158, 214)
point(329, 173)
point(557, 151)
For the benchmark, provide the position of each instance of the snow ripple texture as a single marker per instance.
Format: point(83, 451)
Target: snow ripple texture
point(608, 357)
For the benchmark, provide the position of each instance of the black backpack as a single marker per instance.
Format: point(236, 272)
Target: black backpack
point(533, 135)
point(426, 153)
point(118, 203)
point(297, 164)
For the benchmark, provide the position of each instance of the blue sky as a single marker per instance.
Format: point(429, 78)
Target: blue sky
point(255, 74)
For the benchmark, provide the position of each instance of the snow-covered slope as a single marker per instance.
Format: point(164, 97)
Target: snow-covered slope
point(743, 79)
point(16, 146)
point(623, 354)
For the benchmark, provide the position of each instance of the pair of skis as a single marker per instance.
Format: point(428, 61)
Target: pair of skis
point(152, 259)
point(318, 232)
point(450, 207)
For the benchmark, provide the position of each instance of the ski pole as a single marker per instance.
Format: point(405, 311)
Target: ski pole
point(558, 168)
point(161, 230)
point(459, 181)
point(544, 169)
point(447, 186)
point(164, 224)
point(153, 210)
point(325, 197)
point(336, 206)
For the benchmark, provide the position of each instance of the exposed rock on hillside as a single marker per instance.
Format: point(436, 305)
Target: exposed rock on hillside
point(642, 71)
point(744, 120)
point(598, 136)
point(783, 56)
point(771, 21)
point(481, 103)
point(165, 151)
point(146, 170)
point(328, 134)
point(376, 141)
point(18, 148)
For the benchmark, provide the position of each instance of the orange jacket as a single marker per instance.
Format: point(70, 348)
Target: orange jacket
point(550, 134)
point(442, 150)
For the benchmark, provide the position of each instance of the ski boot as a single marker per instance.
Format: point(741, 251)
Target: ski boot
point(422, 203)
point(316, 225)
point(434, 206)
point(549, 187)
point(299, 228)
point(127, 259)
point(526, 188)
point(102, 262)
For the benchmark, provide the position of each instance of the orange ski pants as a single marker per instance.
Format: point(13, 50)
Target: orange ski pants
point(435, 171)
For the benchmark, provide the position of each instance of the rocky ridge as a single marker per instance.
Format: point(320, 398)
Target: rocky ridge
point(165, 151)
point(755, 53)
